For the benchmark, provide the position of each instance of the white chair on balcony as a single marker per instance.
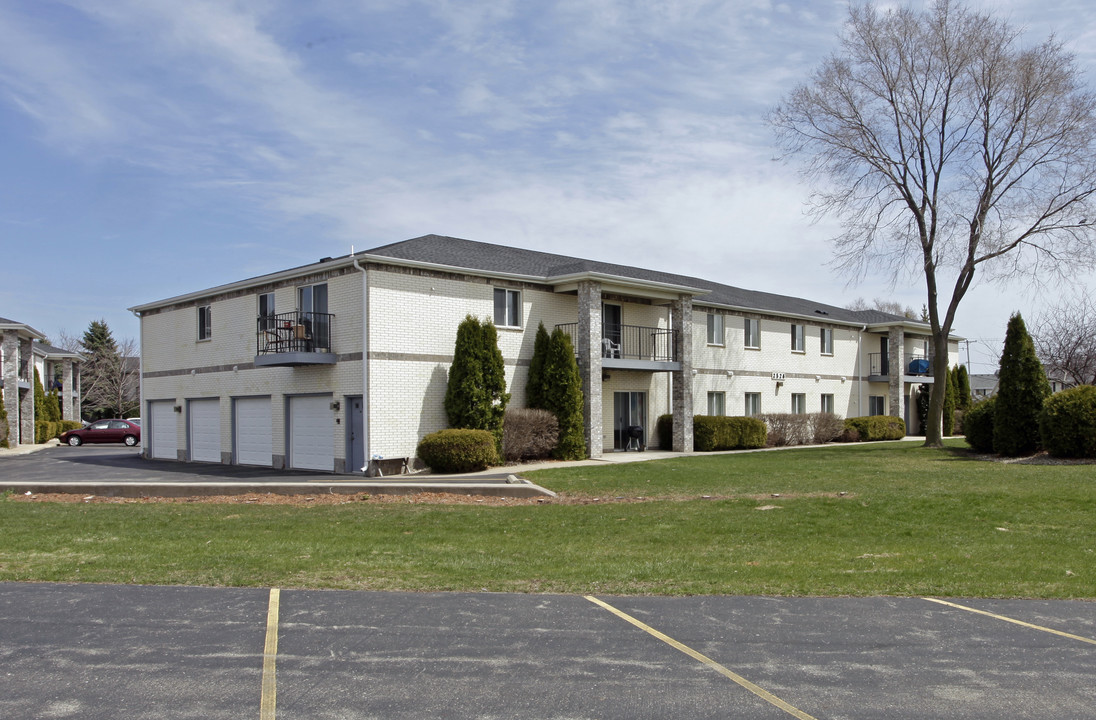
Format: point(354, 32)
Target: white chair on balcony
point(609, 349)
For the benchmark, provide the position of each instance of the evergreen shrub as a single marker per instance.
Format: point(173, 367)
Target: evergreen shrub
point(1067, 424)
point(458, 450)
point(877, 427)
point(725, 433)
point(665, 428)
point(3, 421)
point(978, 425)
point(1021, 390)
point(529, 434)
point(563, 396)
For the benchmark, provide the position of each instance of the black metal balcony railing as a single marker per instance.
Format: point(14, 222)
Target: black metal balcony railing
point(916, 364)
point(294, 332)
point(630, 342)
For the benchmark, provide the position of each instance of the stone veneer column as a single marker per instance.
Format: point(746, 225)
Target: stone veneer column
point(681, 314)
point(10, 373)
point(66, 390)
point(26, 402)
point(896, 343)
point(589, 362)
point(77, 403)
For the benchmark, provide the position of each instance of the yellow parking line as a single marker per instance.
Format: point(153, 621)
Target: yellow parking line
point(1011, 620)
point(756, 690)
point(269, 698)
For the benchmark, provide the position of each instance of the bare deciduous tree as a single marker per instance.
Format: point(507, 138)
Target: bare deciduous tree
point(946, 147)
point(110, 380)
point(888, 306)
point(1065, 340)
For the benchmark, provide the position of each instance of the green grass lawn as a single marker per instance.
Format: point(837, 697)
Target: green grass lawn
point(886, 519)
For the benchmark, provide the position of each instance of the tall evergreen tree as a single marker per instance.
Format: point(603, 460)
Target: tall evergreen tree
point(3, 421)
point(563, 396)
point(476, 396)
point(1021, 389)
point(950, 394)
point(534, 387)
point(963, 382)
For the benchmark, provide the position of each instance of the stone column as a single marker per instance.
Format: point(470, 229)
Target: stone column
point(589, 362)
point(10, 373)
point(26, 400)
point(77, 404)
point(681, 318)
point(896, 343)
point(66, 390)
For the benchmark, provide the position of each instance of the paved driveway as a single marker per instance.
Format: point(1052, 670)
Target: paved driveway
point(95, 652)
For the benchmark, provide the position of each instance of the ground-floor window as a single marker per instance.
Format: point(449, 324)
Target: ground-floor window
point(877, 405)
point(827, 403)
point(799, 404)
point(753, 404)
point(716, 404)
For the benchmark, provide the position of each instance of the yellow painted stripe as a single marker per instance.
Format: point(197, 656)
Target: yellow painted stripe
point(756, 690)
point(1013, 621)
point(268, 702)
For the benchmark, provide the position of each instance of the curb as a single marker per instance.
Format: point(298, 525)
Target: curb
point(139, 489)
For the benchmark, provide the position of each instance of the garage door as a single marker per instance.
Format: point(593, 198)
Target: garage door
point(253, 446)
point(165, 443)
point(311, 433)
point(205, 430)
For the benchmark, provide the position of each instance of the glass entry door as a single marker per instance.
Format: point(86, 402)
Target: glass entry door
point(629, 411)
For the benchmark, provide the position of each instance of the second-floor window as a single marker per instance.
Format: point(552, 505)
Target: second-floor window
point(715, 329)
point(752, 329)
point(507, 308)
point(205, 322)
point(827, 341)
point(798, 338)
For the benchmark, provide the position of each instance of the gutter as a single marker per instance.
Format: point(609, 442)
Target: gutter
point(365, 361)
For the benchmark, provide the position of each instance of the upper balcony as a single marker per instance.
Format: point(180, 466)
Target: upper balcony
point(633, 347)
point(293, 339)
point(918, 368)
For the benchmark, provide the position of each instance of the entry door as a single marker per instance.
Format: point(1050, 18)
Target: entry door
point(355, 427)
point(629, 410)
point(611, 328)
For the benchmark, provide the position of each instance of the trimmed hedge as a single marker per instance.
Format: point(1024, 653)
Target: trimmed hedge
point(727, 433)
point(457, 451)
point(1067, 423)
point(877, 427)
point(46, 430)
point(978, 425)
point(665, 428)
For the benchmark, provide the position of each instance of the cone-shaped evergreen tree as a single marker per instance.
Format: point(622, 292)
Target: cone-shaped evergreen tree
point(963, 384)
point(476, 396)
point(3, 421)
point(534, 388)
point(494, 381)
point(950, 396)
point(1022, 388)
point(563, 396)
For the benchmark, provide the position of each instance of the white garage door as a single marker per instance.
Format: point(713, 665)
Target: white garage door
point(253, 446)
point(164, 440)
point(205, 430)
point(311, 428)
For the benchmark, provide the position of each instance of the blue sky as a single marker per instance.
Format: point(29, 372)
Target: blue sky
point(154, 147)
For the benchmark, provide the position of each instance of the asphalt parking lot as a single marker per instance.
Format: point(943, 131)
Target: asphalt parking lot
point(91, 651)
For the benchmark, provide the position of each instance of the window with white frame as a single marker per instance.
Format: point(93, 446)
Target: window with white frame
point(716, 403)
point(827, 403)
point(715, 329)
point(753, 404)
point(205, 322)
point(799, 403)
point(752, 329)
point(827, 341)
point(877, 405)
point(798, 337)
point(507, 307)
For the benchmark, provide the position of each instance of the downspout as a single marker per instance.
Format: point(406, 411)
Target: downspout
point(140, 380)
point(365, 361)
point(860, 374)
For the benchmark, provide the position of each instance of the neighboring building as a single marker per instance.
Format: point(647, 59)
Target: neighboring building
point(326, 365)
point(22, 349)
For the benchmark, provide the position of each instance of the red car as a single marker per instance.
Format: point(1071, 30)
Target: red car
point(104, 431)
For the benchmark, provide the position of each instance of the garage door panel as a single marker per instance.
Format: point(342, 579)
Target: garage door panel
point(311, 428)
point(205, 430)
point(165, 443)
point(253, 432)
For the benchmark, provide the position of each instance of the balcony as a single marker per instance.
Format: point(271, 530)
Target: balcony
point(632, 347)
point(293, 339)
point(918, 368)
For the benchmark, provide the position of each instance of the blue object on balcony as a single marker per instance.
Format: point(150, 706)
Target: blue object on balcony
point(919, 366)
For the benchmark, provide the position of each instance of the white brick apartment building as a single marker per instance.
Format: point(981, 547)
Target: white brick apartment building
point(323, 366)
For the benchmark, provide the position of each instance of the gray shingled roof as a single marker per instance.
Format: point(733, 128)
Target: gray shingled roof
point(459, 253)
